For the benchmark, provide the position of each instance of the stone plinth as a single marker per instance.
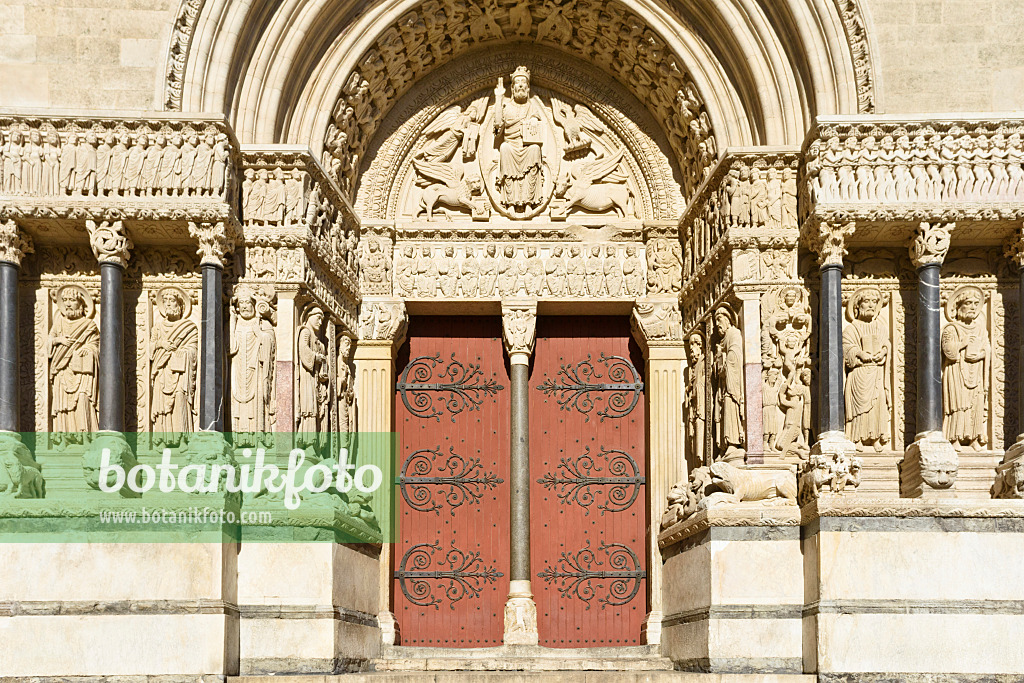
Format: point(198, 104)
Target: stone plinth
point(908, 588)
point(734, 590)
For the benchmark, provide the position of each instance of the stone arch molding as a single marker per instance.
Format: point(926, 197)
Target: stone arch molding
point(437, 153)
point(712, 73)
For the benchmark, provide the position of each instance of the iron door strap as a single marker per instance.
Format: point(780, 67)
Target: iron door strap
point(458, 575)
point(427, 471)
point(581, 480)
point(575, 388)
point(578, 578)
point(457, 386)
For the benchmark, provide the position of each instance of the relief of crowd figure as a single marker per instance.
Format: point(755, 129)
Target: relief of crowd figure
point(111, 163)
point(274, 196)
point(966, 364)
point(73, 349)
point(507, 270)
point(174, 354)
point(866, 355)
point(932, 167)
point(786, 361)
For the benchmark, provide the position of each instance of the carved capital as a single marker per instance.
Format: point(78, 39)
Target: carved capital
point(109, 242)
point(214, 242)
point(1015, 249)
point(828, 240)
point(657, 322)
point(519, 326)
point(930, 243)
point(383, 321)
point(14, 244)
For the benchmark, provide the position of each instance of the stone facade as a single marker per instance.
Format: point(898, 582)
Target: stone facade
point(218, 217)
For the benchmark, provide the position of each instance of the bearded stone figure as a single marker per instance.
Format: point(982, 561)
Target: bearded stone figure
point(313, 372)
point(174, 354)
point(252, 349)
point(74, 349)
point(518, 121)
point(966, 358)
point(729, 389)
point(696, 398)
point(866, 354)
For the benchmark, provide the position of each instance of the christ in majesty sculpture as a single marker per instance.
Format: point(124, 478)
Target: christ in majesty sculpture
point(518, 121)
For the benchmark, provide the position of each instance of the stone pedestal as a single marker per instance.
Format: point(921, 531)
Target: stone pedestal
point(734, 590)
point(929, 468)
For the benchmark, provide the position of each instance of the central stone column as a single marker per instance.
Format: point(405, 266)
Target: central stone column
point(930, 463)
point(658, 329)
point(214, 245)
point(14, 244)
point(519, 329)
point(1009, 472)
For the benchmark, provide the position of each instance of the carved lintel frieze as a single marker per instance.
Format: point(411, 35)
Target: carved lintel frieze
point(214, 241)
point(109, 242)
point(657, 322)
point(15, 244)
point(829, 241)
point(519, 326)
point(930, 243)
point(383, 320)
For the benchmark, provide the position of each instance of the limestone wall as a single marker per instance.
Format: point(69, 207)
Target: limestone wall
point(95, 54)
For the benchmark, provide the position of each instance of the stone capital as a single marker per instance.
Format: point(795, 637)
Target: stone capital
point(519, 326)
point(828, 240)
point(214, 242)
point(1014, 249)
point(657, 323)
point(930, 244)
point(109, 242)
point(14, 243)
point(383, 320)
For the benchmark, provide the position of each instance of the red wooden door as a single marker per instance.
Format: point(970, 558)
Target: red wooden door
point(587, 496)
point(450, 564)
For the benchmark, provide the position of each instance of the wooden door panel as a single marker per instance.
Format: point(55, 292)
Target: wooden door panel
point(450, 564)
point(587, 500)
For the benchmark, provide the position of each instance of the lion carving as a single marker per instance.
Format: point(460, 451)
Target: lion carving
point(1010, 482)
point(734, 485)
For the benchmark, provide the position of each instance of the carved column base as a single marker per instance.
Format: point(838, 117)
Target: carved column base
point(929, 467)
point(834, 444)
point(390, 634)
point(1010, 472)
point(521, 615)
point(650, 632)
point(120, 454)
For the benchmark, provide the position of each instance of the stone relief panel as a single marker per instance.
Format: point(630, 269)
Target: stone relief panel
point(786, 326)
point(867, 356)
point(252, 347)
point(313, 379)
point(966, 369)
point(728, 386)
point(174, 354)
point(696, 403)
point(72, 349)
point(496, 270)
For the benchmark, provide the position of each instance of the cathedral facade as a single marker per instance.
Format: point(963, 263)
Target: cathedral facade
point(697, 330)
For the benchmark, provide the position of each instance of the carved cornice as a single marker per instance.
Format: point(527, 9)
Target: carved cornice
point(14, 243)
point(519, 326)
point(930, 244)
point(109, 242)
point(214, 242)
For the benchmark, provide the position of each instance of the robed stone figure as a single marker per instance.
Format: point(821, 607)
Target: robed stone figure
point(313, 372)
point(518, 121)
point(966, 355)
point(866, 355)
point(729, 390)
point(175, 348)
point(74, 349)
point(252, 350)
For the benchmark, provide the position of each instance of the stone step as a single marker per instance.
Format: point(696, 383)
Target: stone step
point(533, 677)
point(522, 658)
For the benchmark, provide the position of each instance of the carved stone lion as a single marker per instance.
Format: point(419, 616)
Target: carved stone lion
point(20, 475)
point(1010, 481)
point(735, 485)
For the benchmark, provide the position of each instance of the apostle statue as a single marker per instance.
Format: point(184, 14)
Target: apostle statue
point(696, 398)
point(74, 350)
point(518, 121)
point(729, 389)
point(174, 354)
point(866, 354)
point(966, 359)
point(252, 348)
point(313, 372)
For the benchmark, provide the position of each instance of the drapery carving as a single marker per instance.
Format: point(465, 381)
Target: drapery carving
point(73, 349)
point(313, 378)
point(966, 369)
point(252, 351)
point(866, 354)
point(174, 353)
point(729, 392)
point(786, 363)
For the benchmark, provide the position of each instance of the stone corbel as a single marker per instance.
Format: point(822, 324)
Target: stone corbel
point(383, 321)
point(930, 243)
point(829, 240)
point(109, 242)
point(519, 327)
point(214, 242)
point(657, 323)
point(15, 244)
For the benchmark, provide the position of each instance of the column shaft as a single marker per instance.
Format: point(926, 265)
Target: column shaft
point(929, 359)
point(112, 370)
point(1020, 338)
point(520, 469)
point(211, 364)
point(831, 407)
point(10, 382)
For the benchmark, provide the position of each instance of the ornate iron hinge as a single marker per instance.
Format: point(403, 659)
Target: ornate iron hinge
point(623, 388)
point(464, 385)
point(465, 574)
point(575, 479)
point(578, 578)
point(466, 480)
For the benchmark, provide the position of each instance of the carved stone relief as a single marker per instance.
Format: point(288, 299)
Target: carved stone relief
point(313, 373)
point(73, 349)
point(867, 355)
point(729, 401)
point(966, 369)
point(174, 353)
point(696, 408)
point(252, 351)
point(786, 362)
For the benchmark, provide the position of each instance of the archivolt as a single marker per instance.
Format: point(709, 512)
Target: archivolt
point(757, 71)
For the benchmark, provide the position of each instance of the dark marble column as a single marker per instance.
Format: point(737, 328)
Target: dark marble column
point(831, 403)
point(12, 249)
point(214, 245)
point(112, 369)
point(929, 352)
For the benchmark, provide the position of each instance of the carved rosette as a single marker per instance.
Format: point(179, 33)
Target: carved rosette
point(930, 244)
point(14, 243)
point(383, 321)
point(519, 327)
point(109, 242)
point(214, 242)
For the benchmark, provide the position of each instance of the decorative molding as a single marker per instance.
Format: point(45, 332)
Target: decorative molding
point(857, 39)
point(177, 56)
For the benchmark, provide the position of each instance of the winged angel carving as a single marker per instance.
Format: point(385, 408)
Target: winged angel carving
point(441, 176)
